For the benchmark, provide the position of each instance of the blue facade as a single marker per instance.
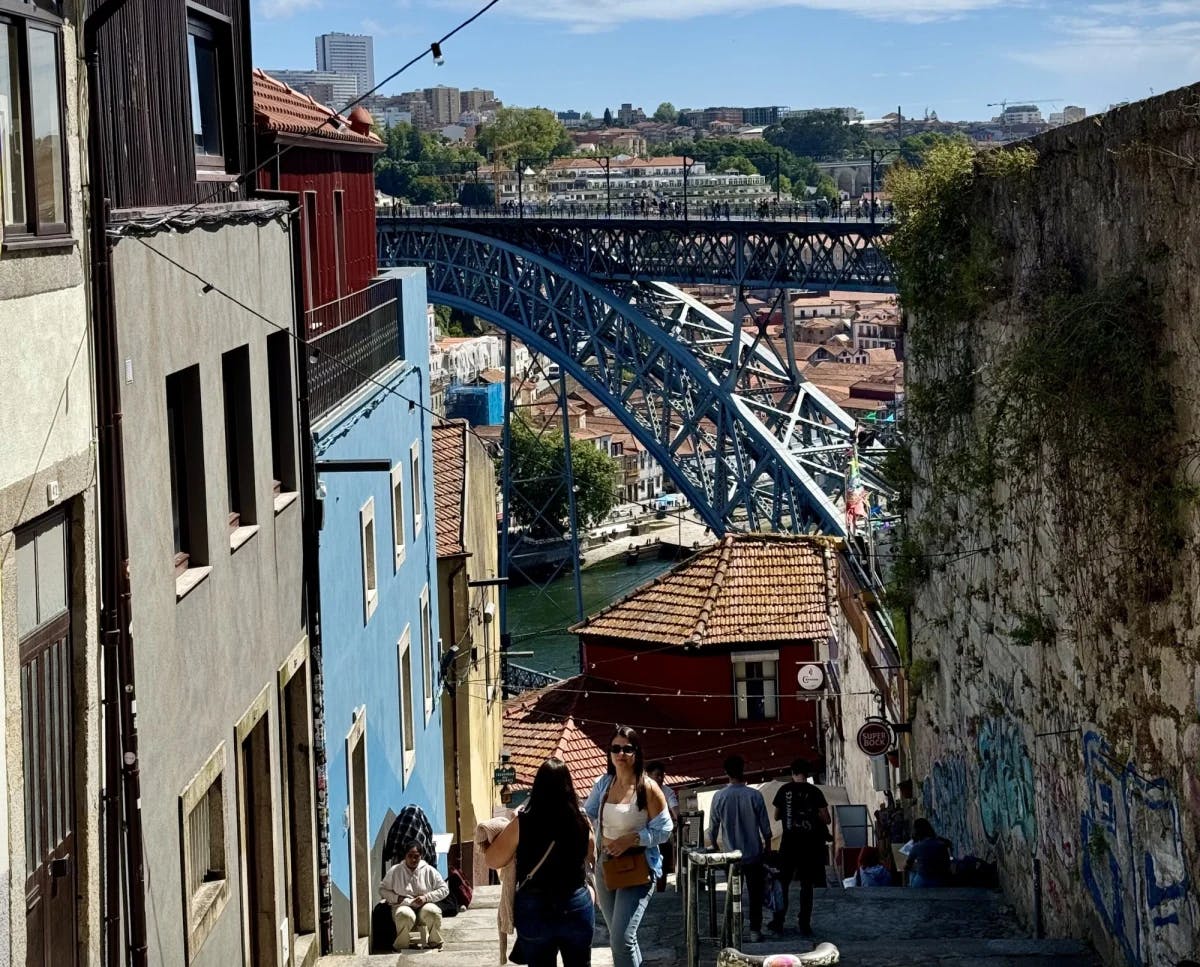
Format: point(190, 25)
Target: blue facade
point(479, 405)
point(363, 633)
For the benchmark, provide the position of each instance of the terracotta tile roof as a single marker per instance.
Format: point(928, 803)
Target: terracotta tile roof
point(449, 485)
point(748, 588)
point(574, 720)
point(280, 109)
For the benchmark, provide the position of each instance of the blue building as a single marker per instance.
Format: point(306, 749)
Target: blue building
point(480, 404)
point(372, 449)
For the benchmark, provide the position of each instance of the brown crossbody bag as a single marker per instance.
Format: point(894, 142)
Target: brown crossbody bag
point(629, 869)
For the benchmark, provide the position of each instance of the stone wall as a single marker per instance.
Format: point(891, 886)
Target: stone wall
point(1058, 726)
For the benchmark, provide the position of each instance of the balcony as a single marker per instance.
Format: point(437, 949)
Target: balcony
point(349, 341)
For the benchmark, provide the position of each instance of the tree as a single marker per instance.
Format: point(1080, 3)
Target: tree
point(737, 164)
point(421, 167)
point(587, 116)
point(519, 132)
point(540, 501)
point(607, 117)
point(666, 113)
point(824, 135)
point(915, 147)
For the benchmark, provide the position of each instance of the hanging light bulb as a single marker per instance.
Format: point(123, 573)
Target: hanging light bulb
point(436, 49)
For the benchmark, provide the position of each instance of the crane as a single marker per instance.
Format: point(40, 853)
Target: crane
point(1003, 105)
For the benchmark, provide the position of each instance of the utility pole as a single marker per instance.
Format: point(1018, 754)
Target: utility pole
point(687, 166)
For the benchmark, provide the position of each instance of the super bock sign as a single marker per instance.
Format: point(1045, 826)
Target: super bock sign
point(875, 737)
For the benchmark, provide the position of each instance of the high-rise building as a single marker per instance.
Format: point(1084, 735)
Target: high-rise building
point(445, 102)
point(476, 98)
point(762, 115)
point(330, 88)
point(348, 54)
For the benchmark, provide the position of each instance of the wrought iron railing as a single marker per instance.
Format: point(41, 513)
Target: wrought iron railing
point(519, 679)
point(347, 356)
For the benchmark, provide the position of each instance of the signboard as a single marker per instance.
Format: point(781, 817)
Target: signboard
point(504, 776)
point(875, 737)
point(810, 677)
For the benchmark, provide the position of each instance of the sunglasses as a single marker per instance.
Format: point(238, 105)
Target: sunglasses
point(623, 749)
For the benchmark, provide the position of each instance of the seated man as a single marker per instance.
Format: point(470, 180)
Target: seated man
point(413, 888)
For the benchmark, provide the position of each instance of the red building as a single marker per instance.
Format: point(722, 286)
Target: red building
point(327, 170)
point(716, 643)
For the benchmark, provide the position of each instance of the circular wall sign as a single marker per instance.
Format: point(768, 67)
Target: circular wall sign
point(810, 677)
point(875, 737)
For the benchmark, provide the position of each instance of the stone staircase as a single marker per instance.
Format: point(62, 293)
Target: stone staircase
point(881, 927)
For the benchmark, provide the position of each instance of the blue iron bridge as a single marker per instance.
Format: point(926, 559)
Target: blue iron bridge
point(721, 404)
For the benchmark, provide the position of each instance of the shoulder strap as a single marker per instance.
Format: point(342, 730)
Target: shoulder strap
point(545, 856)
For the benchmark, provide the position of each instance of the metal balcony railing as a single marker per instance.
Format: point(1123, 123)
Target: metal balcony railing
point(349, 341)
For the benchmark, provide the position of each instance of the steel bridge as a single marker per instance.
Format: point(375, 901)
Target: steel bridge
point(721, 406)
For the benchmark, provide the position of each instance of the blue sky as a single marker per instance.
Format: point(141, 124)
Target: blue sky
point(952, 56)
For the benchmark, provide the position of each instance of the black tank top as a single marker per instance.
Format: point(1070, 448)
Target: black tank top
point(563, 869)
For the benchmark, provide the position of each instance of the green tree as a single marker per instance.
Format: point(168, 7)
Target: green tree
point(420, 167)
point(525, 132)
point(587, 116)
point(915, 147)
point(737, 164)
point(666, 113)
point(607, 117)
point(541, 502)
point(823, 135)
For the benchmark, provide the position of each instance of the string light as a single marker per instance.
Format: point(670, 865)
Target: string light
point(436, 49)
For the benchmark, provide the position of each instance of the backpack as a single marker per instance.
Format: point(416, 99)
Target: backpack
point(460, 889)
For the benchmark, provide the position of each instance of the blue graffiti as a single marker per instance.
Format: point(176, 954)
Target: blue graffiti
point(945, 798)
point(1006, 786)
point(1133, 862)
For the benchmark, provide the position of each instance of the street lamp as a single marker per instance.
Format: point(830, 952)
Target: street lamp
point(877, 155)
point(523, 169)
point(687, 166)
point(606, 164)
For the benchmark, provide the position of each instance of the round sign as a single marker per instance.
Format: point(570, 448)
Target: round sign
point(810, 677)
point(875, 737)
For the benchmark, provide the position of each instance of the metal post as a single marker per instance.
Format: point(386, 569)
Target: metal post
point(569, 471)
point(520, 188)
point(692, 928)
point(686, 168)
point(874, 151)
point(607, 165)
point(778, 180)
point(734, 905)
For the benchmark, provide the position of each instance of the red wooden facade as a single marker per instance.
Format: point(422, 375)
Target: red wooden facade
point(328, 172)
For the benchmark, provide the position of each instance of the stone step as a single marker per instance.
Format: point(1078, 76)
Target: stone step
point(949, 952)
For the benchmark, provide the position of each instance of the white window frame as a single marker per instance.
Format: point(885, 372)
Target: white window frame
point(370, 561)
point(429, 675)
point(741, 702)
point(203, 908)
point(404, 683)
point(398, 528)
point(418, 488)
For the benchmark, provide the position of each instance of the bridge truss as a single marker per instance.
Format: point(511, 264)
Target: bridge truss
point(722, 409)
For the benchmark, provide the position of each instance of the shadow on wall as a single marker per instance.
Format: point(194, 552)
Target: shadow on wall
point(1133, 860)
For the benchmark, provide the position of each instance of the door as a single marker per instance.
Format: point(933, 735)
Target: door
point(47, 731)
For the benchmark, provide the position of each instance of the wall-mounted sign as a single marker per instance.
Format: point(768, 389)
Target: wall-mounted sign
point(504, 776)
point(810, 677)
point(875, 737)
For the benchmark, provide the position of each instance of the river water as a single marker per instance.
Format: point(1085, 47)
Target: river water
point(538, 617)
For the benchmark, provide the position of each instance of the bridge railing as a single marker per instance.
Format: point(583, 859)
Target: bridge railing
point(655, 211)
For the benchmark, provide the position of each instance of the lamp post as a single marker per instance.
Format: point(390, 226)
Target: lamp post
point(606, 164)
point(778, 177)
point(687, 166)
point(522, 170)
point(877, 155)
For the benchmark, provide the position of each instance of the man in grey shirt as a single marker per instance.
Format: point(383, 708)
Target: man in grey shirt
point(740, 814)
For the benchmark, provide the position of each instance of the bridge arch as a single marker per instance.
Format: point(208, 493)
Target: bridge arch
point(619, 344)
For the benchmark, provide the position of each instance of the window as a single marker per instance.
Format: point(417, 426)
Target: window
point(33, 195)
point(279, 385)
point(756, 684)
point(185, 445)
point(311, 250)
point(418, 497)
point(366, 518)
point(208, 73)
point(239, 445)
point(398, 515)
point(339, 241)
point(407, 732)
point(428, 659)
point(202, 816)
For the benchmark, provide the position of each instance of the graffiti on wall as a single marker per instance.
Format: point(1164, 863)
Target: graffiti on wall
point(1058, 829)
point(1006, 790)
point(1133, 861)
point(945, 797)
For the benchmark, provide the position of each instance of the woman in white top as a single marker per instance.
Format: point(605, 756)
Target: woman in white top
point(629, 812)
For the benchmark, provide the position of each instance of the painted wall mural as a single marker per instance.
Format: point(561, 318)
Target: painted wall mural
point(1006, 789)
point(946, 797)
point(1133, 860)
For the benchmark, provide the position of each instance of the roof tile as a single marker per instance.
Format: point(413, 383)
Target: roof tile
point(449, 485)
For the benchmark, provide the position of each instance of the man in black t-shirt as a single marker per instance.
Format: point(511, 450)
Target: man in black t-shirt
point(800, 807)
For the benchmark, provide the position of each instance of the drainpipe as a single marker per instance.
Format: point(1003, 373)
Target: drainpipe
point(121, 805)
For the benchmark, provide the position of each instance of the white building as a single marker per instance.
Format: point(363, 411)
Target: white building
point(342, 87)
point(348, 54)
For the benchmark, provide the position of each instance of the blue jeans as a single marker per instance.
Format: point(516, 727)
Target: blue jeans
point(623, 910)
point(549, 924)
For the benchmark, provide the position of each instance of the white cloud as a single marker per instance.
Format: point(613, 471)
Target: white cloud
point(280, 9)
point(593, 15)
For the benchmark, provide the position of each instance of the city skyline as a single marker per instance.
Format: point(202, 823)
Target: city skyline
point(955, 57)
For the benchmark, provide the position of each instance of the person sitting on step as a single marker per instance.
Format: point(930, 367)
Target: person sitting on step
point(413, 888)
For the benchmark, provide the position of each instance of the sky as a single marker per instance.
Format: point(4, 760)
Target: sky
point(949, 56)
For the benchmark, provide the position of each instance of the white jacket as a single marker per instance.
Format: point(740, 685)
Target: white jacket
point(401, 883)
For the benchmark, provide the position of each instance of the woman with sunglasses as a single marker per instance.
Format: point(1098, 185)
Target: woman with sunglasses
point(629, 812)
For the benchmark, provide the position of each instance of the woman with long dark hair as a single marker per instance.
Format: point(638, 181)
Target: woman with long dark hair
point(553, 911)
point(629, 812)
